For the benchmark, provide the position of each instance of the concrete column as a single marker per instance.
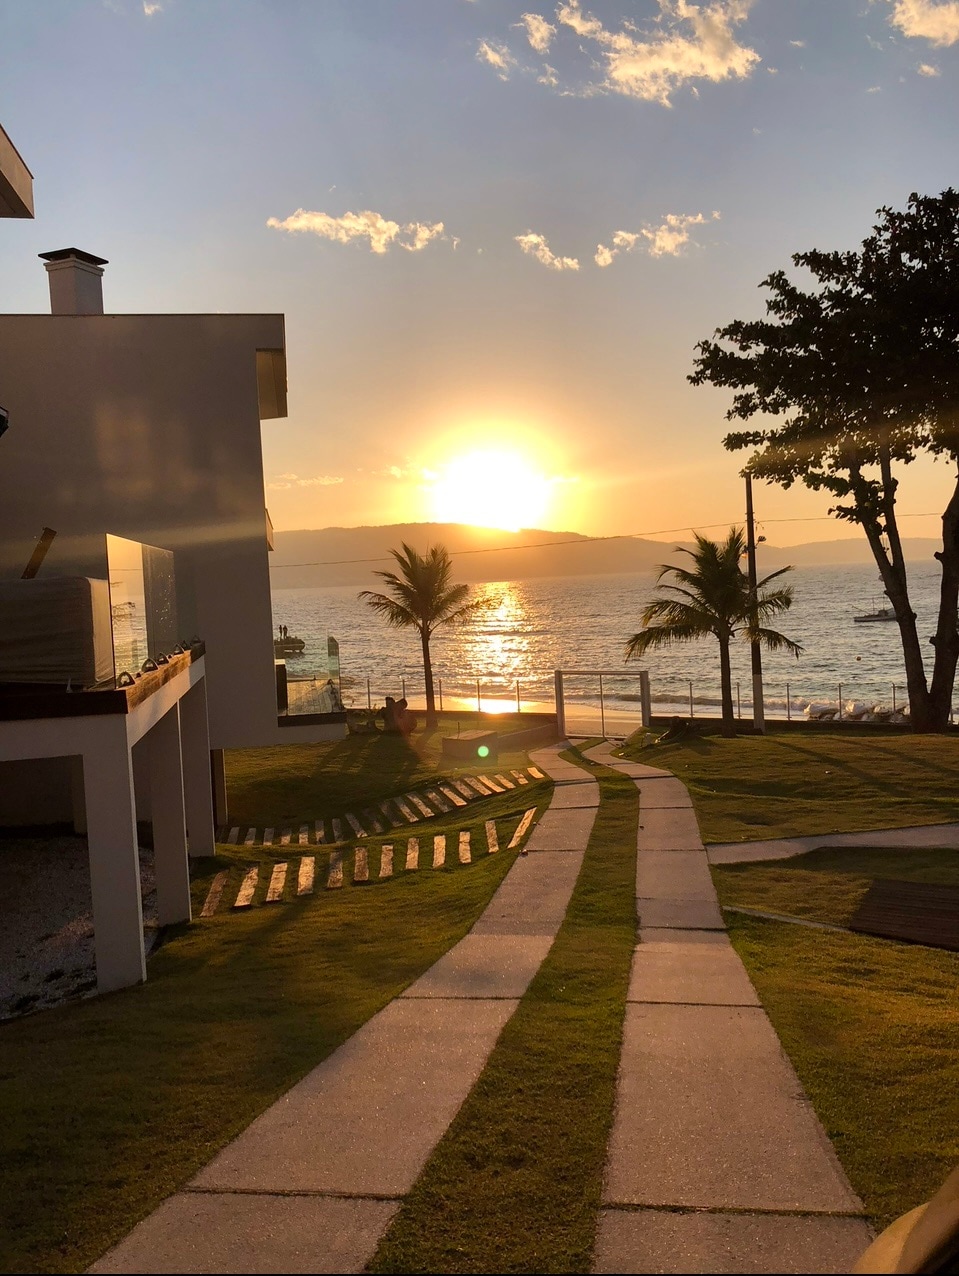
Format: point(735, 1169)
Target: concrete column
point(114, 862)
point(172, 866)
point(77, 795)
point(197, 789)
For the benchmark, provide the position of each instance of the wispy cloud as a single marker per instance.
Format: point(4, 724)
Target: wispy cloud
point(378, 231)
point(539, 32)
point(798, 44)
point(536, 246)
point(925, 68)
point(150, 7)
point(668, 239)
point(696, 44)
point(497, 56)
point(284, 482)
point(934, 20)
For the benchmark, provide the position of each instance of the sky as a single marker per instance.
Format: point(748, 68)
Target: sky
point(496, 230)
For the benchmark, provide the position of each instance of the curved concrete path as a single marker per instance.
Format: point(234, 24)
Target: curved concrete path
point(780, 848)
point(313, 1183)
point(717, 1161)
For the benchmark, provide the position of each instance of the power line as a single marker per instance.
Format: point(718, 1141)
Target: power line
point(578, 540)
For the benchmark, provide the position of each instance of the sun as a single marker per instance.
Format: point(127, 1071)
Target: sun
point(490, 489)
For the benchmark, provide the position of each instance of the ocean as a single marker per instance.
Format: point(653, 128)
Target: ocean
point(582, 622)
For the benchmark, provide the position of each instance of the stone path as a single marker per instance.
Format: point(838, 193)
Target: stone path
point(921, 835)
point(395, 812)
point(313, 1183)
point(717, 1161)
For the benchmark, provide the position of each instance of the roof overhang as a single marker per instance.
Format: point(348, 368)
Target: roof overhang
point(271, 383)
point(16, 181)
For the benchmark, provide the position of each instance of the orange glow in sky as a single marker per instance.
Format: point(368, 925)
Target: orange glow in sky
point(490, 489)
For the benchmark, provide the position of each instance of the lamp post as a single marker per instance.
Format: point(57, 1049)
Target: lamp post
point(759, 711)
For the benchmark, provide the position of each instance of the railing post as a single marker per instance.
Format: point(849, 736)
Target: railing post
point(739, 703)
point(560, 703)
point(369, 697)
point(840, 702)
point(789, 716)
point(602, 709)
point(403, 684)
point(441, 694)
point(519, 705)
point(645, 705)
point(692, 713)
point(894, 697)
point(479, 705)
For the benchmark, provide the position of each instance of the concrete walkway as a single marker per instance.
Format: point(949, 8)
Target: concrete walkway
point(784, 847)
point(717, 1161)
point(313, 1183)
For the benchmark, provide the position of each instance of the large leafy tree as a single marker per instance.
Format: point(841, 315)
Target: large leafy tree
point(422, 596)
point(712, 598)
point(861, 372)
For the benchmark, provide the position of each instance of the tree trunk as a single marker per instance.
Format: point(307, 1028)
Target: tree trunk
point(946, 638)
point(428, 675)
point(726, 686)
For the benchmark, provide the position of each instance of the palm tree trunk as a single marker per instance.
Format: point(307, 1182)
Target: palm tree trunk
point(726, 685)
point(428, 675)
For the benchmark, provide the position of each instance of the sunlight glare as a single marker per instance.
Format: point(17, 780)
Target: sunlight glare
point(491, 489)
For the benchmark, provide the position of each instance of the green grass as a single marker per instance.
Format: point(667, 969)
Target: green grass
point(111, 1104)
point(870, 1025)
point(793, 784)
point(515, 1184)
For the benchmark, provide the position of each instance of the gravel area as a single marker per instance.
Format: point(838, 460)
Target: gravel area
point(46, 922)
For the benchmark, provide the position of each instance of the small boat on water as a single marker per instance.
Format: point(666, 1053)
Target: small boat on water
point(288, 646)
point(881, 613)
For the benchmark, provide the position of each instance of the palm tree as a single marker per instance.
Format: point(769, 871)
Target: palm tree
point(422, 597)
point(713, 597)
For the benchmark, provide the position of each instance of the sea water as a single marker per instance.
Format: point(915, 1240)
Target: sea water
point(583, 622)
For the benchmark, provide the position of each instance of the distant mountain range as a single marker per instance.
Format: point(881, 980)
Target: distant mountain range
point(349, 555)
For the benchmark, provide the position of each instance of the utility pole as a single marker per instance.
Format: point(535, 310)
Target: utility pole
point(759, 710)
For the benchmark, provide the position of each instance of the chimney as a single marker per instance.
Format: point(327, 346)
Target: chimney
point(76, 281)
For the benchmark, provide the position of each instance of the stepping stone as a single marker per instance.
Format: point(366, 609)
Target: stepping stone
point(245, 894)
point(304, 835)
point(304, 875)
point(277, 881)
point(355, 825)
point(213, 899)
point(406, 811)
point(285, 837)
point(389, 816)
point(507, 783)
point(319, 829)
point(491, 839)
point(420, 805)
point(371, 820)
point(537, 774)
point(674, 971)
point(361, 867)
point(479, 789)
point(412, 854)
point(250, 838)
point(334, 878)
point(386, 861)
point(465, 857)
point(491, 784)
point(673, 875)
point(449, 792)
point(464, 789)
point(518, 775)
point(438, 800)
point(439, 850)
point(234, 838)
point(521, 828)
point(338, 835)
point(267, 837)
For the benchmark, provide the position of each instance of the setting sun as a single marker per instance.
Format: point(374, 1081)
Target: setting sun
point(490, 489)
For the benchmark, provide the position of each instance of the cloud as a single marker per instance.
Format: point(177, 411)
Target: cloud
point(497, 56)
point(924, 68)
point(798, 44)
point(378, 231)
point(698, 44)
point(668, 239)
point(150, 7)
point(934, 20)
point(283, 482)
point(536, 246)
point(539, 32)
point(874, 88)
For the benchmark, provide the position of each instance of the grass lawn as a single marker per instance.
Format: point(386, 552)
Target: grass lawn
point(793, 783)
point(871, 1025)
point(515, 1184)
point(110, 1104)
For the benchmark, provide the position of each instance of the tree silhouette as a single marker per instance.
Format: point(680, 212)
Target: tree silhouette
point(713, 598)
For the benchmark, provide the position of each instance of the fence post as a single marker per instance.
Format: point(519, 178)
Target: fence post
point(441, 694)
point(894, 697)
point(602, 709)
point(645, 705)
point(739, 703)
point(479, 706)
point(560, 703)
point(519, 705)
point(691, 711)
point(840, 702)
point(369, 698)
point(789, 716)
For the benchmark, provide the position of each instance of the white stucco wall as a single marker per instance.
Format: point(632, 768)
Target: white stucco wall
point(148, 426)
